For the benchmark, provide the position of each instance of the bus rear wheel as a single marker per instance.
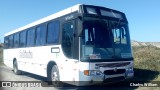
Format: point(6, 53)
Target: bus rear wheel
point(15, 68)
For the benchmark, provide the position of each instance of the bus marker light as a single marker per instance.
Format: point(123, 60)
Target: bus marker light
point(86, 72)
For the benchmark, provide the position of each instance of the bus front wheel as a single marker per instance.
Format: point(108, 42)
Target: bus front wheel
point(54, 76)
point(15, 68)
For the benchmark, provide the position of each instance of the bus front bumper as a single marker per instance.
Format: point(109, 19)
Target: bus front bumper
point(102, 79)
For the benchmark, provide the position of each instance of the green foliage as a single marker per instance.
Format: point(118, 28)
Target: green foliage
point(147, 58)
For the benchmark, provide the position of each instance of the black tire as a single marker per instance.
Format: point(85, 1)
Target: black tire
point(15, 68)
point(53, 76)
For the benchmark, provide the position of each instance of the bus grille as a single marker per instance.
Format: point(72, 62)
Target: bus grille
point(112, 72)
point(114, 79)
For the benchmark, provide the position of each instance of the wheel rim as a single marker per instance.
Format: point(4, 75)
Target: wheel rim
point(54, 76)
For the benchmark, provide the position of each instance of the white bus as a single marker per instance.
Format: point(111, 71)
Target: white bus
point(84, 44)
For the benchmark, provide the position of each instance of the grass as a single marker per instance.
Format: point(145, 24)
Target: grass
point(147, 63)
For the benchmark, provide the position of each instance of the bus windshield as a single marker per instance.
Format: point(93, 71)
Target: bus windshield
point(105, 39)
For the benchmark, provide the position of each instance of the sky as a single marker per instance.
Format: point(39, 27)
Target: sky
point(143, 15)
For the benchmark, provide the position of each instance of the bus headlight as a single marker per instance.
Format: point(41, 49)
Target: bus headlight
point(92, 72)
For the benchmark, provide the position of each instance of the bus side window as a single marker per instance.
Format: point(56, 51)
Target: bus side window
point(23, 39)
point(6, 42)
point(10, 41)
point(41, 35)
point(53, 32)
point(30, 37)
point(16, 40)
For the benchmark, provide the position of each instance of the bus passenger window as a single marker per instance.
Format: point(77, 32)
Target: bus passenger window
point(40, 35)
point(23, 39)
point(6, 42)
point(10, 44)
point(16, 40)
point(53, 32)
point(30, 37)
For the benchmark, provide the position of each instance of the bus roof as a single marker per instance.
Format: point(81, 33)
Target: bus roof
point(53, 16)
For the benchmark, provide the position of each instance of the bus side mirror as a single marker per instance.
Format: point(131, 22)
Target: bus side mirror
point(80, 18)
point(80, 34)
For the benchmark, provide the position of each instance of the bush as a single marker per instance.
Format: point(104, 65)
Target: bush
point(147, 57)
